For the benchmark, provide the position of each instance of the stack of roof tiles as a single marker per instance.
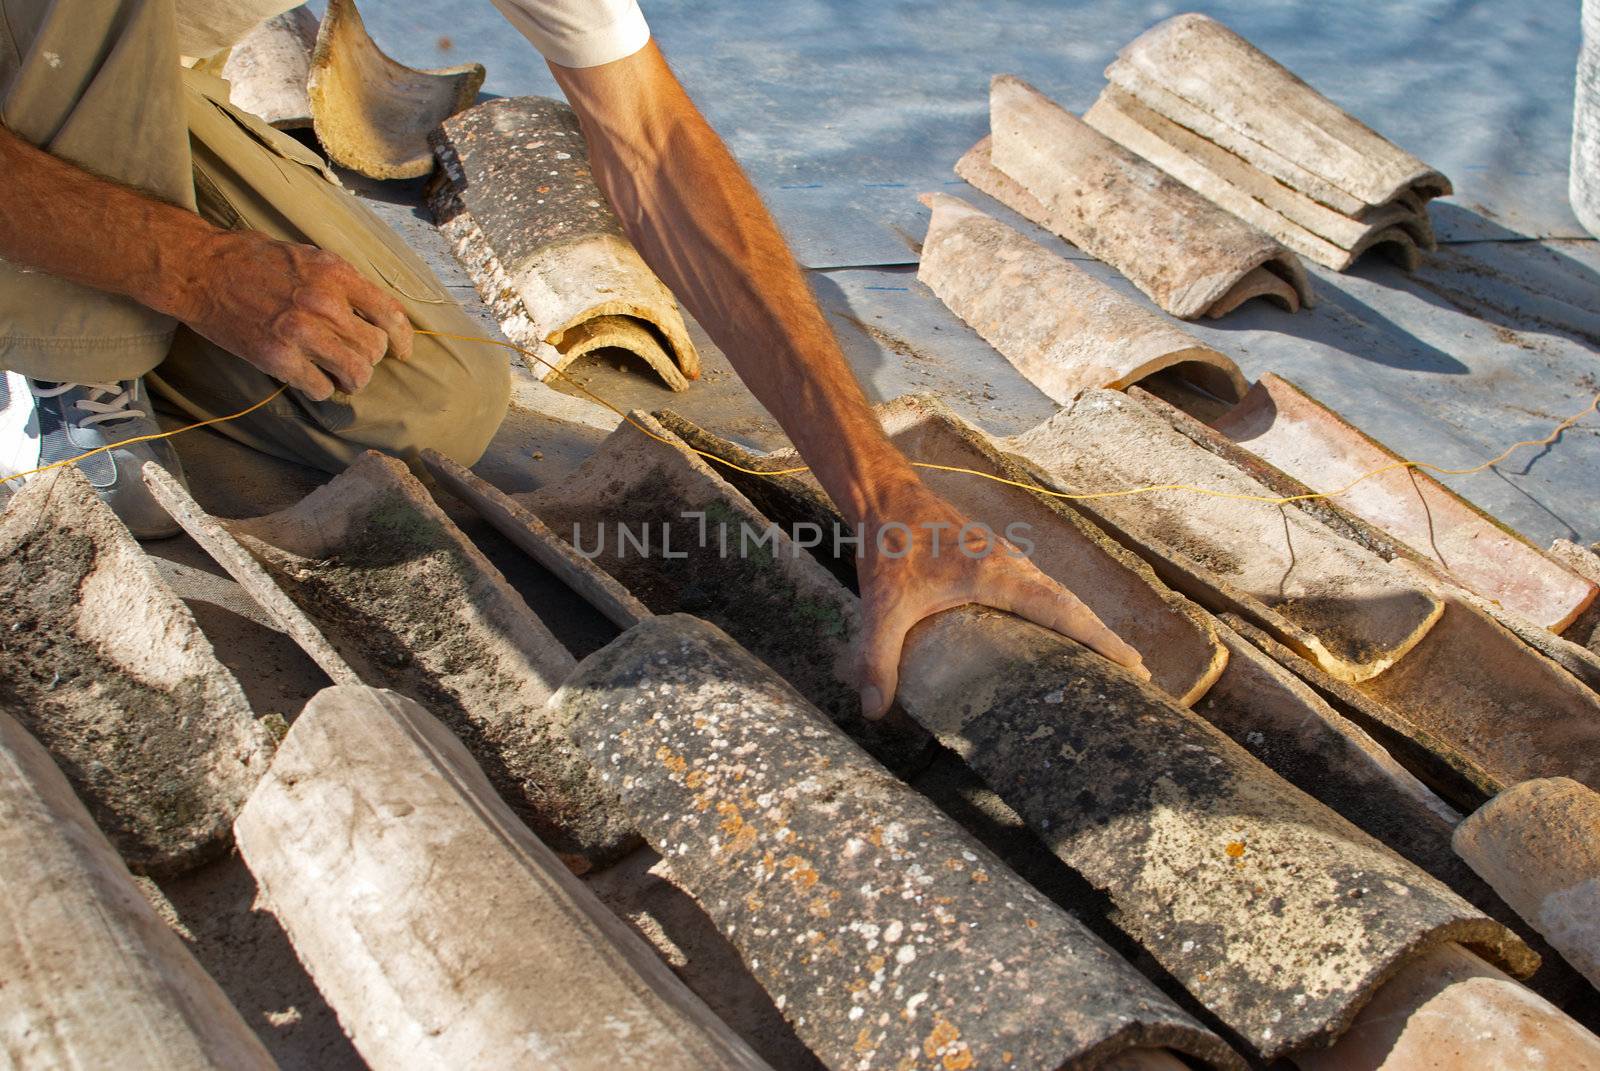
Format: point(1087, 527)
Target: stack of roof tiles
point(1204, 171)
point(1212, 110)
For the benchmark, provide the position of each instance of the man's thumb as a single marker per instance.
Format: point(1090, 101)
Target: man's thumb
point(879, 681)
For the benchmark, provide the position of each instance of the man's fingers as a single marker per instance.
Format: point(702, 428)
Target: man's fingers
point(372, 343)
point(885, 643)
point(1046, 603)
point(332, 308)
point(305, 377)
point(880, 662)
point(344, 365)
point(381, 310)
point(349, 368)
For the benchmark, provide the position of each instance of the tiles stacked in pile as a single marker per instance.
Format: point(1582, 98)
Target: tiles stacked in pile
point(1224, 118)
point(1187, 255)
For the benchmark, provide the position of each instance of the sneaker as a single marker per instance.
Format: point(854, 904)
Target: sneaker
point(43, 422)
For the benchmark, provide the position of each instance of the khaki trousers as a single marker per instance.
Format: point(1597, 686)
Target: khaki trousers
point(98, 84)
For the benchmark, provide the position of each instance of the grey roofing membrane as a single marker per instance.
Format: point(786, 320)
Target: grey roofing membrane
point(840, 108)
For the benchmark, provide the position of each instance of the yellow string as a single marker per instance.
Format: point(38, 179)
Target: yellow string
point(145, 438)
point(1276, 500)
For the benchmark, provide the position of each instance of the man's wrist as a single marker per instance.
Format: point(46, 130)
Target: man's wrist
point(184, 251)
point(883, 491)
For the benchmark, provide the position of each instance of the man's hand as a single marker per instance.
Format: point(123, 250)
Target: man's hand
point(299, 314)
point(931, 560)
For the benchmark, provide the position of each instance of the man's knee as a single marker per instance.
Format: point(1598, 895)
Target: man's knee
point(489, 389)
point(465, 400)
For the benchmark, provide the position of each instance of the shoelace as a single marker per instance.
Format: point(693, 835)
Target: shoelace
point(105, 403)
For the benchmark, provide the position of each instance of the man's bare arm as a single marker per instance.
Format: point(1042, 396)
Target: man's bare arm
point(698, 222)
point(297, 313)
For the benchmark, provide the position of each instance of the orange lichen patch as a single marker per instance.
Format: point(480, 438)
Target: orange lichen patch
point(753, 903)
point(954, 864)
point(1235, 849)
point(943, 1033)
point(675, 763)
point(980, 877)
point(864, 1043)
point(875, 838)
point(944, 1043)
point(819, 909)
point(1033, 924)
point(800, 871)
point(742, 835)
point(876, 963)
point(695, 779)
